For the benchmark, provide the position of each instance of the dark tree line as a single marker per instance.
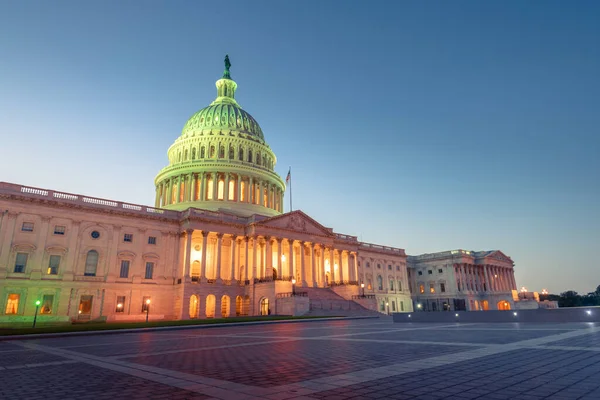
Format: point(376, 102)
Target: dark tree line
point(571, 298)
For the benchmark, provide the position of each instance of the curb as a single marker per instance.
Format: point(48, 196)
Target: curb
point(172, 328)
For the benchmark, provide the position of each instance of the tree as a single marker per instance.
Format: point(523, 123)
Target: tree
point(570, 298)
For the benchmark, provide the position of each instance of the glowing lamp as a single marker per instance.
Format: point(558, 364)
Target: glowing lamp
point(37, 303)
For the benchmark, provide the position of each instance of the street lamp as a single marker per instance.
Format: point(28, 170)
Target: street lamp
point(293, 287)
point(37, 306)
point(147, 309)
point(387, 308)
point(362, 286)
point(119, 307)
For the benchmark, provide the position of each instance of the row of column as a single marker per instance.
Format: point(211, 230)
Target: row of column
point(205, 186)
point(488, 278)
point(311, 264)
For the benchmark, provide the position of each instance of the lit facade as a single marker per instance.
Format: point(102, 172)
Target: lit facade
point(215, 243)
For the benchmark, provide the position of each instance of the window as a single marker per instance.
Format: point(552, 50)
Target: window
point(91, 263)
point(378, 266)
point(128, 237)
point(420, 272)
point(430, 272)
point(421, 288)
point(21, 262)
point(47, 302)
point(145, 304)
point(124, 269)
point(380, 282)
point(151, 239)
point(391, 284)
point(53, 265)
point(382, 306)
point(393, 305)
point(389, 267)
point(397, 268)
point(27, 227)
point(59, 230)
point(431, 288)
point(399, 285)
point(443, 287)
point(440, 271)
point(369, 284)
point(95, 234)
point(120, 304)
point(231, 194)
point(368, 264)
point(401, 306)
point(12, 304)
point(149, 270)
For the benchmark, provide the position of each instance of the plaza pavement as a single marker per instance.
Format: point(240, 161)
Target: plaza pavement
point(346, 359)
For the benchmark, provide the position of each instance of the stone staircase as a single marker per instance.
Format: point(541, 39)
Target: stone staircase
point(325, 302)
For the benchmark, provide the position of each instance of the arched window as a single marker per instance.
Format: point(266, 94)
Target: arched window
point(258, 158)
point(212, 152)
point(194, 153)
point(91, 263)
point(421, 288)
point(391, 284)
point(231, 190)
point(179, 157)
point(241, 154)
point(264, 306)
point(221, 151)
point(209, 188)
point(202, 152)
point(243, 192)
point(399, 285)
point(194, 303)
point(231, 156)
point(210, 306)
point(249, 155)
point(225, 306)
point(239, 305)
point(220, 189)
point(185, 158)
point(379, 282)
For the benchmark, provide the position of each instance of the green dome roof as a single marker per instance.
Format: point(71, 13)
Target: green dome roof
point(223, 115)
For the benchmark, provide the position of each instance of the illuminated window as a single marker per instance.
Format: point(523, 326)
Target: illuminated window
point(257, 193)
point(12, 304)
point(21, 262)
point(369, 284)
point(232, 183)
point(265, 198)
point(220, 189)
point(53, 265)
point(197, 189)
point(209, 189)
point(120, 304)
point(173, 194)
point(27, 227)
point(243, 192)
point(421, 288)
point(47, 302)
point(431, 288)
point(145, 305)
point(182, 192)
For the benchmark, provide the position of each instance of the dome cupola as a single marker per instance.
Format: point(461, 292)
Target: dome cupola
point(221, 161)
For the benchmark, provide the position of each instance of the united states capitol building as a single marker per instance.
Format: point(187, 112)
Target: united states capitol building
point(216, 243)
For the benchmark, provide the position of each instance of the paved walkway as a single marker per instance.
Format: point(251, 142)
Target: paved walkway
point(352, 359)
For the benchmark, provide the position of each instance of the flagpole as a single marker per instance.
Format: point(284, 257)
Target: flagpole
point(290, 173)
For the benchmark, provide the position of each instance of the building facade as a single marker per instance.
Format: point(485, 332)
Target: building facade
point(216, 243)
point(461, 280)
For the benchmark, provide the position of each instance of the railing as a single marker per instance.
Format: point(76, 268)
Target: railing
point(284, 278)
point(263, 280)
point(211, 281)
point(346, 237)
point(292, 294)
point(344, 283)
point(89, 278)
point(362, 296)
point(382, 248)
point(85, 200)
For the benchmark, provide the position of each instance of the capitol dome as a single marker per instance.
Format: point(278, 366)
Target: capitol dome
point(221, 161)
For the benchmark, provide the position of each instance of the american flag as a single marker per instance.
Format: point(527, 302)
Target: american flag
point(289, 176)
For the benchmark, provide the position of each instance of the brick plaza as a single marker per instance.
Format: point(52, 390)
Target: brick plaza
point(343, 359)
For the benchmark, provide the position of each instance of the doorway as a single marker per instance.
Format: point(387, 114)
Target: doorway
point(85, 307)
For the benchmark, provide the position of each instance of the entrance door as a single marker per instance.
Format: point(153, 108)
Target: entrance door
point(85, 307)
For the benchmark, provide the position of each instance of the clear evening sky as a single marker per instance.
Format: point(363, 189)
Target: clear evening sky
point(424, 125)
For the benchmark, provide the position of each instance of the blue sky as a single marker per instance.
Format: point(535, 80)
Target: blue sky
point(423, 125)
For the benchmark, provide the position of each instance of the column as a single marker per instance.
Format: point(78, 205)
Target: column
point(246, 260)
point(254, 257)
point(204, 251)
point(218, 266)
point(313, 270)
point(332, 264)
point(463, 277)
point(193, 187)
point(157, 197)
point(506, 284)
point(215, 186)
point(355, 267)
point(238, 196)
point(322, 260)
point(269, 255)
point(250, 189)
point(202, 196)
point(232, 272)
point(178, 190)
point(487, 279)
point(188, 254)
point(279, 271)
point(303, 264)
point(291, 262)
point(341, 261)
point(512, 277)
point(226, 191)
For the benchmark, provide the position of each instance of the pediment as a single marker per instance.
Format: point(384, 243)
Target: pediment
point(498, 255)
point(296, 221)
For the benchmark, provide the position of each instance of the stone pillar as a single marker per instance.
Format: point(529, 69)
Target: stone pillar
point(218, 266)
point(251, 191)
point(322, 260)
point(512, 277)
point(178, 190)
point(464, 277)
point(215, 186)
point(303, 264)
point(204, 251)
point(487, 279)
point(247, 259)
point(188, 254)
point(255, 257)
point(279, 271)
point(157, 197)
point(202, 177)
point(238, 196)
point(332, 264)
point(313, 270)
point(269, 255)
point(342, 274)
point(71, 254)
point(232, 258)
point(355, 266)
point(291, 250)
point(192, 187)
point(226, 188)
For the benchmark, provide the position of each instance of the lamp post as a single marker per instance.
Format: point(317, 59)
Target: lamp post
point(293, 287)
point(362, 286)
point(37, 306)
point(387, 308)
point(147, 309)
point(119, 307)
